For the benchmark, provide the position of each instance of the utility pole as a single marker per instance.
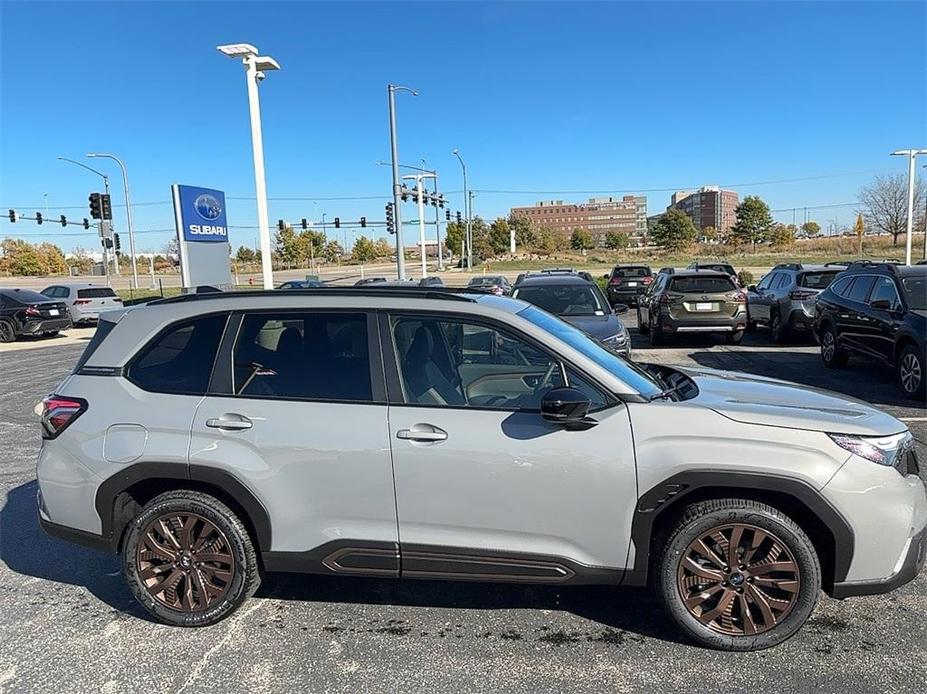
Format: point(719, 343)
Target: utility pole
point(911, 154)
point(391, 90)
point(438, 225)
point(470, 196)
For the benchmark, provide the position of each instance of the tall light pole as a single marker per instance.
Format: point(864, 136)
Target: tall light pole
point(420, 194)
point(394, 155)
point(125, 185)
point(105, 190)
point(255, 67)
point(469, 238)
point(911, 154)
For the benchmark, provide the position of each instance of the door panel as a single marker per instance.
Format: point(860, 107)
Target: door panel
point(511, 482)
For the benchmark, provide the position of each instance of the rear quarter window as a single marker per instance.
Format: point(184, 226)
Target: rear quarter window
point(180, 359)
point(104, 328)
point(840, 287)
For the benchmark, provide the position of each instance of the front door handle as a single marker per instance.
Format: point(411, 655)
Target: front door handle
point(422, 432)
point(229, 422)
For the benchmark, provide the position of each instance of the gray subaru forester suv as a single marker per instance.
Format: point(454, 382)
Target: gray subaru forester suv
point(431, 434)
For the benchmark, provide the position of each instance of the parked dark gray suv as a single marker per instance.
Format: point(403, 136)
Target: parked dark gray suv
point(784, 299)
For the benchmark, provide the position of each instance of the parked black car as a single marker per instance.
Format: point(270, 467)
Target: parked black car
point(24, 312)
point(301, 284)
point(625, 283)
point(877, 310)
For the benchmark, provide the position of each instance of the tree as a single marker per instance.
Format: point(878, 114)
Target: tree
point(859, 229)
point(52, 259)
point(525, 234)
point(286, 245)
point(710, 234)
point(479, 231)
point(364, 250)
point(616, 240)
point(454, 235)
point(172, 250)
point(753, 220)
point(245, 255)
point(80, 259)
point(674, 231)
point(581, 240)
point(810, 229)
point(383, 248)
point(782, 234)
point(332, 251)
point(886, 203)
point(499, 236)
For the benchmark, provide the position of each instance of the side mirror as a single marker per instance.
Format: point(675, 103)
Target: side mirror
point(620, 308)
point(752, 288)
point(567, 407)
point(882, 304)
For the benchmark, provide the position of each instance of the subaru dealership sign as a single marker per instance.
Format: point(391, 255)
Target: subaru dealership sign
point(203, 235)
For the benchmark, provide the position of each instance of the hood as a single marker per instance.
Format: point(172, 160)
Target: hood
point(598, 327)
point(766, 401)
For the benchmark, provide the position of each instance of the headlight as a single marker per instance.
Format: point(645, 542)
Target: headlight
point(618, 340)
point(884, 450)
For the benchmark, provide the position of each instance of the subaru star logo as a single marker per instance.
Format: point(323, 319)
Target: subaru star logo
point(207, 206)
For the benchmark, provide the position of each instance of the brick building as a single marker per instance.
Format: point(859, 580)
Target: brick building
point(598, 216)
point(708, 206)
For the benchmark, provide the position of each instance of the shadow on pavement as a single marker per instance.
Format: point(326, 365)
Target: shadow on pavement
point(27, 550)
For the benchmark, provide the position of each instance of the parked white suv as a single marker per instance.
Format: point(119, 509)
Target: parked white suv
point(418, 433)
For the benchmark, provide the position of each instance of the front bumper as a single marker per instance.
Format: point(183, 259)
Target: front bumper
point(911, 562)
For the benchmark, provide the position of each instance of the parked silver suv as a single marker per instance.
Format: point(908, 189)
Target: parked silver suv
point(784, 299)
point(430, 434)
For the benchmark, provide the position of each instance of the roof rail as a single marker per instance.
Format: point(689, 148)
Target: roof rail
point(414, 291)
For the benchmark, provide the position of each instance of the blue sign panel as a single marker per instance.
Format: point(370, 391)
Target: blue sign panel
point(202, 214)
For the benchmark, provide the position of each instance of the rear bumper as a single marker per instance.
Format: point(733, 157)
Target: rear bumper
point(914, 557)
point(713, 325)
point(624, 294)
point(45, 325)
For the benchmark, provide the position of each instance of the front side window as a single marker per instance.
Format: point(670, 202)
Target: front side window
point(306, 356)
point(915, 291)
point(766, 281)
point(180, 361)
point(451, 363)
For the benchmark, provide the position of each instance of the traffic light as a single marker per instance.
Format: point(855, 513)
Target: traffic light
point(337, 222)
point(64, 221)
point(280, 224)
point(403, 193)
point(390, 224)
point(116, 244)
point(95, 209)
point(107, 243)
point(441, 200)
point(305, 224)
point(13, 216)
point(86, 223)
point(363, 222)
point(106, 207)
point(447, 214)
point(38, 217)
point(458, 216)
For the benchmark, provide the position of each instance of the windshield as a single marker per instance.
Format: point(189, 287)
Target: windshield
point(629, 372)
point(915, 291)
point(565, 299)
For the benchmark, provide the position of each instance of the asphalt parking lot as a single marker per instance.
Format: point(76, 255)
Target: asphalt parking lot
point(69, 622)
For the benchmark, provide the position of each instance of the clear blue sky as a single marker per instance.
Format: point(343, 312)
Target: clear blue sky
point(622, 97)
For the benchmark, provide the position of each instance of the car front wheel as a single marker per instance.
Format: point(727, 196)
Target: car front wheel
point(189, 560)
point(738, 575)
point(911, 375)
point(832, 354)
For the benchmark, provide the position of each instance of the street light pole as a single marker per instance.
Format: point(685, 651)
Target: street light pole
point(255, 67)
point(420, 193)
point(911, 154)
point(125, 185)
point(394, 154)
point(463, 166)
point(105, 190)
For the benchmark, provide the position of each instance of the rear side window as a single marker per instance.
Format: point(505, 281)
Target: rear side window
point(104, 328)
point(783, 281)
point(841, 286)
point(180, 360)
point(860, 289)
point(816, 280)
point(701, 285)
point(95, 293)
point(307, 356)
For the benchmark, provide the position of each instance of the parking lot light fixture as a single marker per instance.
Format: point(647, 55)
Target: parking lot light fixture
point(255, 67)
point(911, 154)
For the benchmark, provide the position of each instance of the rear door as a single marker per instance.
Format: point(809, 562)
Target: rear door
point(761, 299)
point(853, 321)
point(485, 488)
point(297, 412)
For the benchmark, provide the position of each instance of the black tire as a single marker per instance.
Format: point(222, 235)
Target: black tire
point(778, 330)
point(656, 334)
point(232, 540)
point(832, 354)
point(7, 331)
point(721, 515)
point(641, 328)
point(734, 338)
point(751, 326)
point(911, 375)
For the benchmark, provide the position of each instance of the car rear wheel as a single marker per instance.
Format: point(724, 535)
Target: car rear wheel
point(832, 354)
point(641, 328)
point(7, 332)
point(738, 575)
point(734, 338)
point(911, 375)
point(777, 329)
point(189, 560)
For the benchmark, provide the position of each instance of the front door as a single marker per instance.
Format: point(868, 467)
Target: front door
point(301, 420)
point(485, 488)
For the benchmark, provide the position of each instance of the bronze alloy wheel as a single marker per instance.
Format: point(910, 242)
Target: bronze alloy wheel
point(738, 579)
point(185, 562)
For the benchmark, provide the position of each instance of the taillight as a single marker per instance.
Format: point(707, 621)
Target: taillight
point(739, 298)
point(32, 311)
point(58, 412)
point(647, 280)
point(615, 280)
point(497, 290)
point(801, 295)
point(78, 302)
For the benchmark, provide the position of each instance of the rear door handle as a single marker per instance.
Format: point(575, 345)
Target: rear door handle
point(229, 422)
point(422, 432)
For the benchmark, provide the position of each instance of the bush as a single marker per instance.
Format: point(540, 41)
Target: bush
point(745, 277)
